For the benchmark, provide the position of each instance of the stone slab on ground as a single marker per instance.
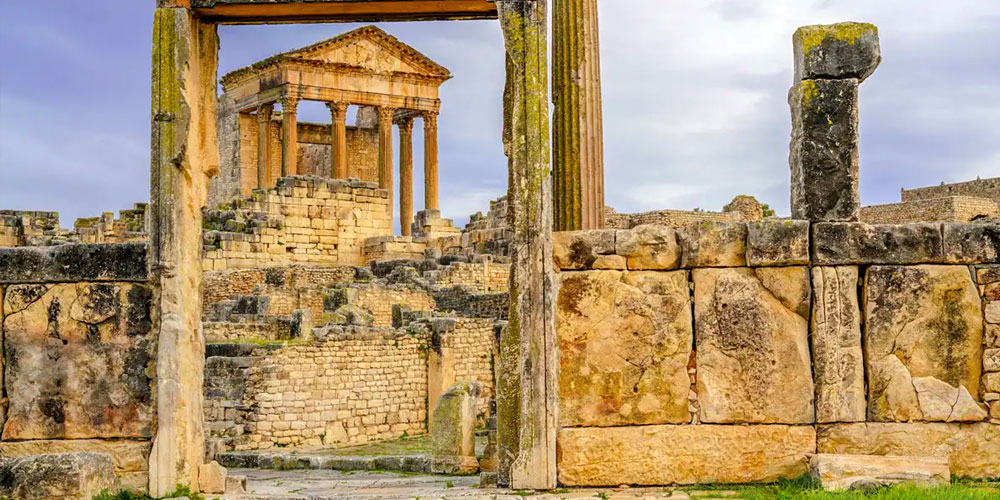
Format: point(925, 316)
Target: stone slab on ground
point(57, 476)
point(972, 449)
point(852, 472)
point(683, 454)
point(130, 457)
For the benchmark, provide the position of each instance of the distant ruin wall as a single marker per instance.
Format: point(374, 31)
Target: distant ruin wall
point(950, 208)
point(773, 341)
point(979, 188)
point(80, 351)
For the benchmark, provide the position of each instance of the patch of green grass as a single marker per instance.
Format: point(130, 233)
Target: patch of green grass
point(806, 488)
point(180, 491)
point(524, 493)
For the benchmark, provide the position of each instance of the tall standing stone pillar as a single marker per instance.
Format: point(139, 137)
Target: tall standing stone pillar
point(527, 375)
point(263, 144)
point(830, 62)
point(289, 135)
point(385, 152)
point(405, 175)
point(431, 161)
point(338, 139)
point(184, 155)
point(578, 147)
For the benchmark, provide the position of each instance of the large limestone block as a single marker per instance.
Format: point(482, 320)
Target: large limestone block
point(453, 430)
point(713, 244)
point(836, 345)
point(971, 243)
point(824, 150)
point(582, 249)
point(625, 341)
point(842, 50)
point(923, 343)
point(971, 449)
point(753, 362)
point(778, 243)
point(683, 454)
point(62, 476)
point(854, 472)
point(837, 244)
point(79, 358)
point(212, 478)
point(130, 457)
point(649, 247)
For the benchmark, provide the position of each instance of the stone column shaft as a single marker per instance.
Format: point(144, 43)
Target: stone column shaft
point(577, 128)
point(263, 144)
point(431, 161)
point(385, 165)
point(405, 175)
point(338, 139)
point(289, 136)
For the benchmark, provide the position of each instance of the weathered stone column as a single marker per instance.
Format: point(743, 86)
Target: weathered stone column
point(263, 144)
point(289, 135)
point(338, 139)
point(527, 376)
point(577, 128)
point(431, 161)
point(385, 180)
point(184, 155)
point(830, 62)
point(405, 175)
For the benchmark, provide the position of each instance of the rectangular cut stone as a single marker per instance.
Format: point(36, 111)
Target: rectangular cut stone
point(713, 244)
point(850, 472)
point(977, 243)
point(649, 247)
point(683, 454)
point(836, 345)
point(74, 262)
point(778, 243)
point(838, 244)
point(78, 361)
point(923, 343)
point(971, 449)
point(842, 50)
point(625, 341)
point(824, 150)
point(130, 457)
point(753, 363)
point(581, 249)
point(57, 476)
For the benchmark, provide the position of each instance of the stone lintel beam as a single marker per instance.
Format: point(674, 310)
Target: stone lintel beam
point(830, 63)
point(405, 175)
point(299, 11)
point(289, 135)
point(577, 129)
point(431, 161)
point(527, 376)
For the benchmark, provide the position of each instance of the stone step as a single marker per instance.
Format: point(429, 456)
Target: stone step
point(300, 460)
point(860, 472)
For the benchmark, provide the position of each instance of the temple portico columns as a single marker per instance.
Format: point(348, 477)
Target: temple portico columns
point(338, 141)
point(431, 161)
point(289, 135)
point(405, 175)
point(385, 165)
point(264, 144)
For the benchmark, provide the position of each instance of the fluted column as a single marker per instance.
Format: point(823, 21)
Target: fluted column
point(385, 151)
point(578, 136)
point(289, 135)
point(431, 161)
point(263, 143)
point(338, 139)
point(405, 175)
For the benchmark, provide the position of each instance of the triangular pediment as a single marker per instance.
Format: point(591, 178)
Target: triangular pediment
point(373, 49)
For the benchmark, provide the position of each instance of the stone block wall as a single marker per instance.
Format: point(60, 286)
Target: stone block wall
point(950, 208)
point(731, 352)
point(305, 220)
point(130, 226)
point(390, 247)
point(483, 276)
point(379, 301)
point(979, 188)
point(11, 232)
point(79, 354)
point(741, 209)
point(29, 228)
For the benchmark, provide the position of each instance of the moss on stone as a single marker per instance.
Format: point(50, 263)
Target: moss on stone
point(811, 37)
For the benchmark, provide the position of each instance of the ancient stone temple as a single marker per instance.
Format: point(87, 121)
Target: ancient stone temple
point(390, 82)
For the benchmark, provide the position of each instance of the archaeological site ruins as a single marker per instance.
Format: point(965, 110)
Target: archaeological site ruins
point(263, 302)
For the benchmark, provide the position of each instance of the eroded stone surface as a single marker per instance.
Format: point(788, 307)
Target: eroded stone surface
point(753, 362)
point(63, 476)
point(971, 449)
point(212, 478)
point(78, 360)
point(778, 243)
point(836, 244)
point(453, 430)
point(683, 454)
point(581, 249)
point(130, 457)
point(971, 243)
point(922, 322)
point(836, 345)
point(625, 341)
point(842, 50)
point(713, 244)
point(851, 472)
point(649, 246)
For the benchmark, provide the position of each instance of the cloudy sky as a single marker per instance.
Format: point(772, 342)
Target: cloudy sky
point(694, 99)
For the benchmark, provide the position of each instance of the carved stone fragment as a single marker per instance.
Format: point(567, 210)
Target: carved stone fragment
point(836, 345)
